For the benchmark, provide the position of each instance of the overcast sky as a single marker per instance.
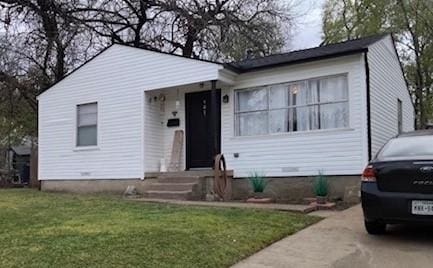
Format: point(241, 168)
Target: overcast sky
point(309, 24)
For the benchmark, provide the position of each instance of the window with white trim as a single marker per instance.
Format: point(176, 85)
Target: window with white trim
point(400, 116)
point(313, 104)
point(87, 124)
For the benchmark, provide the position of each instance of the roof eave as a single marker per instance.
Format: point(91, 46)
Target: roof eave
point(73, 71)
point(281, 64)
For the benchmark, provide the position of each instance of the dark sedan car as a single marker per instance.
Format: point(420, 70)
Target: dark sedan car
point(397, 186)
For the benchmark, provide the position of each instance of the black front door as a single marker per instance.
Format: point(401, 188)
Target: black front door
point(199, 136)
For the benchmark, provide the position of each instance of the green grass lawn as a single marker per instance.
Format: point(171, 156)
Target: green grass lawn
point(60, 230)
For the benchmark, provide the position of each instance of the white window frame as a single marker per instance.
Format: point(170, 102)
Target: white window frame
point(86, 147)
point(399, 116)
point(268, 109)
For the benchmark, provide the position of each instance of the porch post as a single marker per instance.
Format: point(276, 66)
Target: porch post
point(214, 117)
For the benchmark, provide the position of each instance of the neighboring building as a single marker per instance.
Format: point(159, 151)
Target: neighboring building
point(15, 163)
point(288, 116)
point(21, 162)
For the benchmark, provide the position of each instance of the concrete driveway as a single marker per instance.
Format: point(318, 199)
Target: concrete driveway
point(341, 241)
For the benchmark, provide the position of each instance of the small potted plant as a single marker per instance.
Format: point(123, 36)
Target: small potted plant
point(320, 188)
point(258, 184)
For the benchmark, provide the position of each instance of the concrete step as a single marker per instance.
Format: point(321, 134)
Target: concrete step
point(199, 173)
point(157, 186)
point(178, 195)
point(179, 179)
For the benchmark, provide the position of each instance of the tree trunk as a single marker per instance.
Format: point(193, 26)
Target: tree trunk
point(189, 44)
point(60, 62)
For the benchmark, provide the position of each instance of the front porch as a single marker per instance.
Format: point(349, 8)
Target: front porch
point(182, 127)
point(182, 137)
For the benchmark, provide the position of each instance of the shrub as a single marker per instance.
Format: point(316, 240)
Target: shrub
point(320, 186)
point(257, 182)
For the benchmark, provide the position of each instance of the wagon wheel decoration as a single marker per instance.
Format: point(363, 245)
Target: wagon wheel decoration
point(222, 185)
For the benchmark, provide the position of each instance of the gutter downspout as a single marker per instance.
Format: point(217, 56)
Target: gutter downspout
point(367, 82)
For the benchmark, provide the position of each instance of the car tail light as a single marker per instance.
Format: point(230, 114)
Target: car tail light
point(368, 175)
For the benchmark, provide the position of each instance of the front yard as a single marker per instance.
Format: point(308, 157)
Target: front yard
point(61, 230)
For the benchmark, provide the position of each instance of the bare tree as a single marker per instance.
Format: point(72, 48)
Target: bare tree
point(42, 40)
point(38, 47)
point(224, 28)
point(124, 21)
point(193, 28)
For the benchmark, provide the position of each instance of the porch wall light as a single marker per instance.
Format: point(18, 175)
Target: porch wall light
point(177, 100)
point(226, 98)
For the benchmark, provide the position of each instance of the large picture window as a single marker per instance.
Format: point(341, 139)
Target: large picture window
point(87, 124)
point(300, 106)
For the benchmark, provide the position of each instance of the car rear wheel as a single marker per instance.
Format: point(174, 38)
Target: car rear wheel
point(375, 228)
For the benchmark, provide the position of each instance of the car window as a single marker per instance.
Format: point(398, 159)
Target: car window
point(408, 147)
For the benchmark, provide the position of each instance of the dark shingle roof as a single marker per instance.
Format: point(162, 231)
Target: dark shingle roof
point(22, 150)
point(305, 55)
point(327, 51)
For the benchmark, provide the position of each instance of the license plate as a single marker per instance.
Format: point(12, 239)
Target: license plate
point(422, 207)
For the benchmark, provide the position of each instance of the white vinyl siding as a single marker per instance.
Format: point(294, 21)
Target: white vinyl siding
point(116, 80)
point(301, 153)
point(153, 127)
point(132, 135)
point(387, 85)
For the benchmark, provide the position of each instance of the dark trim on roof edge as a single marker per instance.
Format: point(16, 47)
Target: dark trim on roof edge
point(170, 54)
point(225, 65)
point(330, 56)
point(378, 36)
point(231, 67)
point(73, 71)
point(367, 82)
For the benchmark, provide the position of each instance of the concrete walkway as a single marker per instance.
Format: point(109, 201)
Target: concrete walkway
point(283, 207)
point(340, 241)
